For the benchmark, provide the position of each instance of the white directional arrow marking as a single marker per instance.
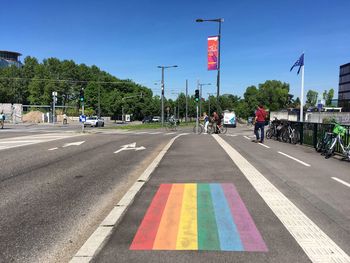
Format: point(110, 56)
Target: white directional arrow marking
point(131, 146)
point(73, 143)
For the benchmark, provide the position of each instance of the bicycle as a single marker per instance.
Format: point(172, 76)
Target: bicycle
point(171, 125)
point(290, 134)
point(275, 130)
point(324, 142)
point(338, 132)
point(200, 128)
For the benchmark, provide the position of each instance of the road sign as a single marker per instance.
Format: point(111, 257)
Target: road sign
point(82, 118)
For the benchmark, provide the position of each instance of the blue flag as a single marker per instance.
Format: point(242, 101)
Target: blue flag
point(300, 63)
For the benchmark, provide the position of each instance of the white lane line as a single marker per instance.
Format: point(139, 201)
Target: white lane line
point(155, 133)
point(140, 132)
point(52, 149)
point(231, 135)
point(341, 181)
point(169, 133)
point(295, 159)
point(246, 137)
point(98, 238)
point(264, 145)
point(316, 244)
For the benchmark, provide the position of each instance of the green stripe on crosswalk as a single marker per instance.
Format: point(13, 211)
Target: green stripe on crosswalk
point(208, 238)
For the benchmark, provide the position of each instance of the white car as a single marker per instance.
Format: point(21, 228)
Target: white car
point(94, 121)
point(156, 119)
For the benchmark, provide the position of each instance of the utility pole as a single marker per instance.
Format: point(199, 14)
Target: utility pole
point(186, 100)
point(54, 100)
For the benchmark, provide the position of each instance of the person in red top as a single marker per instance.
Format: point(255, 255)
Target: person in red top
point(260, 116)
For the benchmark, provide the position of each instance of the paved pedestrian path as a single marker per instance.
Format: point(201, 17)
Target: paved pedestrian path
point(199, 200)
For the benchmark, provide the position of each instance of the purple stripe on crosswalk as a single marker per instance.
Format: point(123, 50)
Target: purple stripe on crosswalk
point(249, 234)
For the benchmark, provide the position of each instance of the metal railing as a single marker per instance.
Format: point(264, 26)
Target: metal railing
point(311, 132)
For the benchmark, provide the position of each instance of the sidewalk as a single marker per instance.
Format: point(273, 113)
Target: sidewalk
point(199, 207)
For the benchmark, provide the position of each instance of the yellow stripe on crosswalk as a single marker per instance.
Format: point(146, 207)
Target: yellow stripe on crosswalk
point(187, 238)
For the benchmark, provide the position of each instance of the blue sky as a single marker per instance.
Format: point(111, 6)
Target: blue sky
point(261, 40)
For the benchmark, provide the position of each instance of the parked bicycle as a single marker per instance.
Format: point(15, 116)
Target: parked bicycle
point(323, 143)
point(290, 134)
point(338, 132)
point(274, 130)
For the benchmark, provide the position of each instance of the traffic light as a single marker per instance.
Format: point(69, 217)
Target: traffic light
point(196, 95)
point(81, 96)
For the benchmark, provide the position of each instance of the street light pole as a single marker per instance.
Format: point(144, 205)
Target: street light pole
point(164, 67)
point(219, 20)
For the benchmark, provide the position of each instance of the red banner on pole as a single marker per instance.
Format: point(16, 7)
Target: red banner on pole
point(213, 52)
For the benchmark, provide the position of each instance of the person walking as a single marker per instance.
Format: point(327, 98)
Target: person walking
point(206, 122)
point(2, 119)
point(216, 122)
point(260, 117)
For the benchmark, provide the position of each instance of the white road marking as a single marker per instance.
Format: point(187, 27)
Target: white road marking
point(264, 145)
point(295, 159)
point(169, 133)
point(231, 135)
point(131, 146)
point(341, 181)
point(155, 133)
point(316, 244)
point(73, 144)
point(95, 241)
point(246, 137)
point(140, 132)
point(52, 149)
point(13, 142)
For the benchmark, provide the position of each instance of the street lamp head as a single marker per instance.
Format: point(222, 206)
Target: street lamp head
point(175, 66)
point(210, 20)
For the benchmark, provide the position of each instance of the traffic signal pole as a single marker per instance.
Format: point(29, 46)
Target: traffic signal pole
point(197, 99)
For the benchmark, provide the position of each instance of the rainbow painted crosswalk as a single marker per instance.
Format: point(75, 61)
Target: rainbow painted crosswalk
point(198, 217)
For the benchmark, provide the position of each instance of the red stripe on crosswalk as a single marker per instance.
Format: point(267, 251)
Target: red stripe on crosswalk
point(147, 231)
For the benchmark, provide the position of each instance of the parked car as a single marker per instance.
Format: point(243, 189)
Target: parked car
point(147, 119)
point(94, 121)
point(156, 119)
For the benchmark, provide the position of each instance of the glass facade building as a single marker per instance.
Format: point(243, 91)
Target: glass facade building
point(344, 87)
point(9, 58)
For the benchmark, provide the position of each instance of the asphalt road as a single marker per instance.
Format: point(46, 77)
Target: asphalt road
point(52, 199)
point(54, 195)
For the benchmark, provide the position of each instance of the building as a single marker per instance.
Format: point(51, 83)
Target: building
point(344, 87)
point(9, 58)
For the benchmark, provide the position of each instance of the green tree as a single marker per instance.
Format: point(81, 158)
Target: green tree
point(328, 96)
point(274, 94)
point(311, 98)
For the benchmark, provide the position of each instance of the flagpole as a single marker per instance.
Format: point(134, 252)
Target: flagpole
point(302, 95)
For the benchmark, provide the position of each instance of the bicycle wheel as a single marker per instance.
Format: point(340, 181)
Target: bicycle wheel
point(210, 129)
point(319, 145)
point(223, 129)
point(330, 149)
point(295, 137)
point(285, 136)
point(269, 133)
point(200, 129)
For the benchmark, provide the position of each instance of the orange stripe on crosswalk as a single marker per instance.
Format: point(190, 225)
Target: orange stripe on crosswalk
point(169, 225)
